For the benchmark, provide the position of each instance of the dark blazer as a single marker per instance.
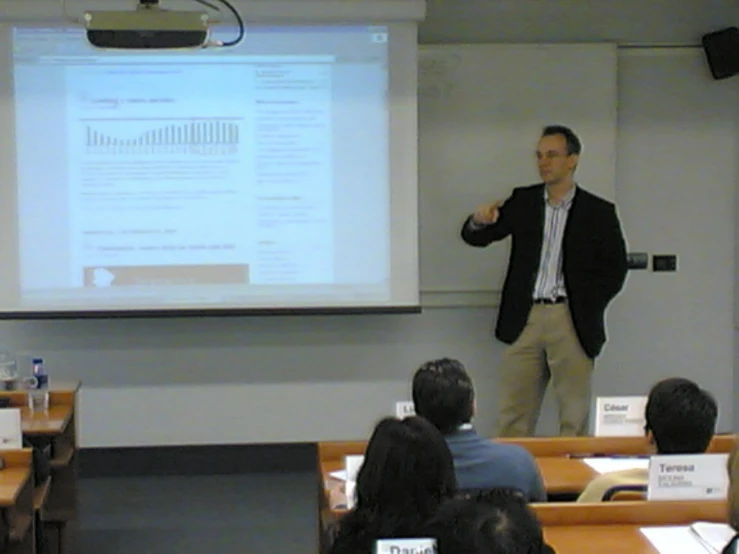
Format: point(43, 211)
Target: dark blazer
point(593, 260)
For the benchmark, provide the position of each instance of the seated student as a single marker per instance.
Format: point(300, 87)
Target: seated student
point(496, 521)
point(680, 419)
point(732, 499)
point(444, 395)
point(406, 474)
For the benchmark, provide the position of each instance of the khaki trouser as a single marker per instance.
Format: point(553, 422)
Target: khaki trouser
point(548, 348)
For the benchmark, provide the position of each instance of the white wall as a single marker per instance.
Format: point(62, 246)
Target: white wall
point(299, 379)
point(676, 172)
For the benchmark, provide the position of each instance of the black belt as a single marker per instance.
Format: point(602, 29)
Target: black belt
point(557, 300)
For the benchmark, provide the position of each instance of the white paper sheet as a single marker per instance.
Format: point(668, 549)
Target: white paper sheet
point(340, 475)
point(714, 535)
point(608, 465)
point(11, 436)
point(674, 539)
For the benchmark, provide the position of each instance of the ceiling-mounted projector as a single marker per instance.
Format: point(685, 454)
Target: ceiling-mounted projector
point(147, 27)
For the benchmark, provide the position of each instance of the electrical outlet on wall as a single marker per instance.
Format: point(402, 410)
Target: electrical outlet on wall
point(664, 262)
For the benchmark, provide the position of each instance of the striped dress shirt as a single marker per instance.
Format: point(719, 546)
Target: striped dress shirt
point(550, 282)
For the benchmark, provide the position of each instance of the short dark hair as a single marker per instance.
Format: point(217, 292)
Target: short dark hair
point(574, 146)
point(497, 521)
point(406, 475)
point(443, 394)
point(681, 416)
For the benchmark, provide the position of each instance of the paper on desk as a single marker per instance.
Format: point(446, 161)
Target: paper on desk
point(715, 536)
point(352, 465)
point(607, 465)
point(11, 435)
point(672, 539)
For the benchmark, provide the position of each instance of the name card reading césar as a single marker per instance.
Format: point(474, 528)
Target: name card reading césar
point(620, 416)
point(688, 477)
point(405, 546)
point(404, 409)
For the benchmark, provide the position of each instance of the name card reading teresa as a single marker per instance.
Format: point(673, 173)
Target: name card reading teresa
point(405, 546)
point(687, 477)
point(404, 409)
point(620, 416)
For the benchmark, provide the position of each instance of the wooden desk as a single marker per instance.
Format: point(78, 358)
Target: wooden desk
point(601, 446)
point(545, 447)
point(560, 476)
point(57, 429)
point(598, 539)
point(565, 475)
point(16, 499)
point(613, 527)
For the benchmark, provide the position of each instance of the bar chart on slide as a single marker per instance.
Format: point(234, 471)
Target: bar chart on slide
point(161, 136)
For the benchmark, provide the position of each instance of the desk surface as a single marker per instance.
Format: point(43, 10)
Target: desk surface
point(598, 539)
point(565, 475)
point(560, 476)
point(52, 422)
point(12, 481)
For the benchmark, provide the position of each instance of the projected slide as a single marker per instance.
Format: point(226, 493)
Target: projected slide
point(153, 191)
point(257, 176)
point(157, 198)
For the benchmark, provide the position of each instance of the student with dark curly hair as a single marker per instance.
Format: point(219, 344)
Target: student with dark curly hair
point(496, 521)
point(406, 474)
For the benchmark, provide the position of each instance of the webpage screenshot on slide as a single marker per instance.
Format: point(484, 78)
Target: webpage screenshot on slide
point(230, 178)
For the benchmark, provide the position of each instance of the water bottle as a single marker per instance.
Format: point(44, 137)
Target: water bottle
point(42, 378)
point(38, 396)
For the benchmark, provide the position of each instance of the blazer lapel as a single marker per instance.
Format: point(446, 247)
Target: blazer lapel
point(573, 221)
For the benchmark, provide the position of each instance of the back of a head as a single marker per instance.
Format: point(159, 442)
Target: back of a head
point(443, 394)
point(681, 416)
point(406, 474)
point(494, 522)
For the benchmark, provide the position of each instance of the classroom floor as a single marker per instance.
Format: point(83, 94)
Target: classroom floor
point(244, 514)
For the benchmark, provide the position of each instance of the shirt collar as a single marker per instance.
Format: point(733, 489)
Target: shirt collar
point(566, 201)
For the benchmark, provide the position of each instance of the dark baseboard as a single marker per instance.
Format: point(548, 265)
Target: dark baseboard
point(197, 460)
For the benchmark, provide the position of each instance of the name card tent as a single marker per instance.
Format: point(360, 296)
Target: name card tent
point(406, 546)
point(688, 477)
point(619, 416)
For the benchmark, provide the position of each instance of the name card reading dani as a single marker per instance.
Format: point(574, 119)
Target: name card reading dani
point(405, 546)
point(687, 477)
point(404, 409)
point(620, 416)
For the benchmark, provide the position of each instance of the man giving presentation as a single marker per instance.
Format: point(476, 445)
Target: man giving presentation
point(567, 262)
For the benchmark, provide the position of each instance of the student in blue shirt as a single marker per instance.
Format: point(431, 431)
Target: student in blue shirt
point(443, 394)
